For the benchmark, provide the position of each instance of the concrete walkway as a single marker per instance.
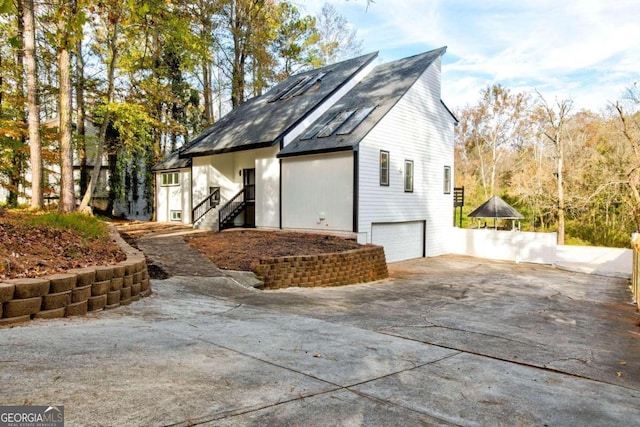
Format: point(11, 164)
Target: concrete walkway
point(445, 341)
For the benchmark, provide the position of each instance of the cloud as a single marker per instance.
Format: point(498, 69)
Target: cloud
point(586, 50)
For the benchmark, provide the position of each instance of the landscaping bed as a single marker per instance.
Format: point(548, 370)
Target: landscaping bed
point(244, 249)
point(34, 245)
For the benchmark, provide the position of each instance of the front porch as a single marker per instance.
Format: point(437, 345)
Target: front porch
point(236, 189)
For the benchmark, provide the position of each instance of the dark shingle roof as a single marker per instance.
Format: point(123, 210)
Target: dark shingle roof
point(495, 207)
point(261, 123)
point(172, 162)
point(382, 88)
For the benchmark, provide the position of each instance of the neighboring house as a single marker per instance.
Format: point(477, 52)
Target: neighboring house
point(349, 148)
point(134, 204)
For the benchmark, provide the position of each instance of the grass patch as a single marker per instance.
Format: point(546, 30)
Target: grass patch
point(85, 226)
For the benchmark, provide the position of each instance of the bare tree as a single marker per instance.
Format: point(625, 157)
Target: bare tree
point(338, 39)
point(629, 126)
point(555, 119)
point(111, 58)
point(67, 194)
point(35, 144)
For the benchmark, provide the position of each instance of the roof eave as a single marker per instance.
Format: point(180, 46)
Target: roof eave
point(233, 149)
point(321, 151)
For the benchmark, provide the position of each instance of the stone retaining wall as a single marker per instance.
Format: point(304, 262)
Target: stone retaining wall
point(333, 269)
point(77, 291)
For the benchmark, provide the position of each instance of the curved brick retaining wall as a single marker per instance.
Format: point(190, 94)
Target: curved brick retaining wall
point(78, 291)
point(333, 269)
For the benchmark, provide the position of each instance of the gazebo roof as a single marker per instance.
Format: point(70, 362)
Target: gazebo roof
point(497, 208)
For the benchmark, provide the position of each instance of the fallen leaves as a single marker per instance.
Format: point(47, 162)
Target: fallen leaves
point(30, 251)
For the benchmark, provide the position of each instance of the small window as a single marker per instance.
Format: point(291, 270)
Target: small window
point(176, 215)
point(384, 168)
point(447, 180)
point(408, 176)
point(170, 178)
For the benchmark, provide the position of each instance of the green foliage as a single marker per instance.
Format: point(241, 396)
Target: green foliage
point(6, 6)
point(86, 226)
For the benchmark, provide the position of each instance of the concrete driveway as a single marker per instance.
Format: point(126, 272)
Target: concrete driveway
point(445, 341)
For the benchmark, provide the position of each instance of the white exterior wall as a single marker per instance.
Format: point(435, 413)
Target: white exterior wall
point(174, 197)
point(417, 128)
point(317, 192)
point(268, 189)
point(518, 246)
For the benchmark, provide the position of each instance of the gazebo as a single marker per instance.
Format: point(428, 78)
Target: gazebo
point(496, 208)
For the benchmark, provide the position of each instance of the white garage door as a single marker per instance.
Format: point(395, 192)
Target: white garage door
point(401, 240)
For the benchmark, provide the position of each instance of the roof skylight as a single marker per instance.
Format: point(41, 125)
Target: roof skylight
point(335, 123)
point(354, 120)
point(298, 86)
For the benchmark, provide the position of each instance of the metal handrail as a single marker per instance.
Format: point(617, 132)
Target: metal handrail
point(230, 208)
point(210, 202)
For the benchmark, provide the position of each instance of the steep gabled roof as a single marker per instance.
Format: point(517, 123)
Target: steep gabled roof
point(495, 207)
point(363, 107)
point(264, 120)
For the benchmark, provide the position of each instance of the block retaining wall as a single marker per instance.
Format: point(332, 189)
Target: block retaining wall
point(333, 269)
point(78, 291)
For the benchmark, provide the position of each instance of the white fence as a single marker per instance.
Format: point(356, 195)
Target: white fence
point(517, 246)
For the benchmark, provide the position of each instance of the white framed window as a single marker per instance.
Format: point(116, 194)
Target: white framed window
point(170, 178)
point(176, 215)
point(384, 168)
point(408, 176)
point(447, 180)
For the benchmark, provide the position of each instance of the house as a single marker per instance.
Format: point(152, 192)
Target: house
point(132, 204)
point(350, 148)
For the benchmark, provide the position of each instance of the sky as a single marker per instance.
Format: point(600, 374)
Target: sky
point(587, 51)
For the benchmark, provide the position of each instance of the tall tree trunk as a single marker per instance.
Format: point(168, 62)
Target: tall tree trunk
point(16, 178)
point(560, 196)
point(95, 173)
point(207, 93)
point(67, 194)
point(80, 114)
point(35, 144)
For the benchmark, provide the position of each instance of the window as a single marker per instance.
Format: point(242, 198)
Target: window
point(170, 178)
point(176, 215)
point(384, 168)
point(408, 176)
point(447, 180)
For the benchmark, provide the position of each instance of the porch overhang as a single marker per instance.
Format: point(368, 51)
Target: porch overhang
point(254, 146)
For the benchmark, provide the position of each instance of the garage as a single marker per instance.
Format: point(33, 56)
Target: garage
point(401, 240)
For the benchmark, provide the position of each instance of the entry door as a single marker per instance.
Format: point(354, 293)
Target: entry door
point(249, 184)
point(249, 181)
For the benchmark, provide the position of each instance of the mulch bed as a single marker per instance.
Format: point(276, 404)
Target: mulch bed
point(243, 249)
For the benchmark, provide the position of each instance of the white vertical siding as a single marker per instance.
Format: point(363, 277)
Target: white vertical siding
point(174, 197)
point(268, 191)
point(317, 192)
point(162, 200)
point(418, 128)
point(185, 189)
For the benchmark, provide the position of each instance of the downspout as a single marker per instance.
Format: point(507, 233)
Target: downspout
point(280, 187)
point(280, 195)
point(356, 190)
